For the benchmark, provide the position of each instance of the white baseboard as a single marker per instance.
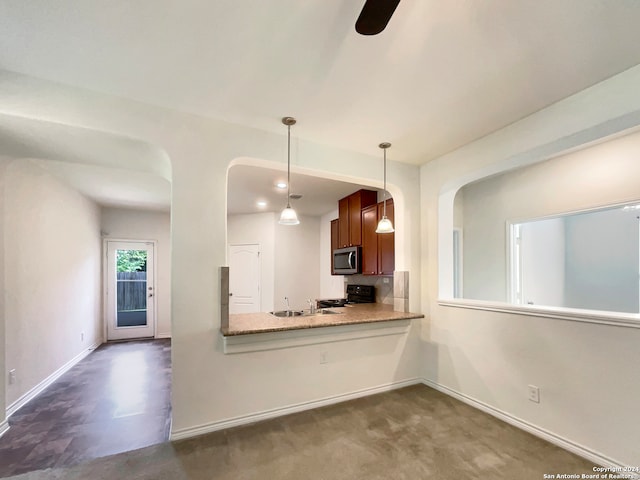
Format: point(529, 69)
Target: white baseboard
point(35, 391)
point(580, 450)
point(4, 427)
point(591, 455)
point(277, 412)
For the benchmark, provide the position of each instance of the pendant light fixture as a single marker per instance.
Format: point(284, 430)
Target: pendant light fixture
point(289, 215)
point(385, 225)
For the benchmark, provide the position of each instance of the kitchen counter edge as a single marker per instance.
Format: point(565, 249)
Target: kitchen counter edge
point(263, 322)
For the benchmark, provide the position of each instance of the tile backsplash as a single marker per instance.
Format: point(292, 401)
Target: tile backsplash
point(224, 297)
point(401, 291)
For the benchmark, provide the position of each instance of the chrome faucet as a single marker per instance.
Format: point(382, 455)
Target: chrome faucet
point(312, 307)
point(286, 299)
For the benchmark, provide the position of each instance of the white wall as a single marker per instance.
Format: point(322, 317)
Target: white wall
point(486, 355)
point(484, 249)
point(603, 174)
point(209, 386)
point(291, 256)
point(458, 210)
point(602, 260)
point(297, 253)
point(543, 262)
point(52, 275)
point(492, 356)
point(4, 162)
point(331, 286)
point(127, 224)
point(258, 228)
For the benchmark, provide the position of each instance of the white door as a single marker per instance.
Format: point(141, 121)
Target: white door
point(129, 292)
point(244, 278)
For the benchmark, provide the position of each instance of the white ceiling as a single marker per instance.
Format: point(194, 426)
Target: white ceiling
point(442, 74)
point(111, 169)
point(249, 184)
point(112, 187)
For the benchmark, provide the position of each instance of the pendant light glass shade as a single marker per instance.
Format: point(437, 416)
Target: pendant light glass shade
point(385, 225)
point(288, 215)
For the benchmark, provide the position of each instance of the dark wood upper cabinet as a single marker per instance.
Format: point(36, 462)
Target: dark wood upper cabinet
point(344, 236)
point(334, 239)
point(359, 215)
point(386, 243)
point(350, 216)
point(378, 249)
point(355, 221)
point(370, 240)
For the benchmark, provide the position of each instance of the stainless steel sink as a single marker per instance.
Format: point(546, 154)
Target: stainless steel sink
point(287, 313)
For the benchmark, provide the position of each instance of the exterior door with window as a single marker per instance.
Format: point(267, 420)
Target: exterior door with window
point(129, 295)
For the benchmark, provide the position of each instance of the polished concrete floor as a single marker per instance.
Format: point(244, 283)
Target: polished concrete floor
point(114, 400)
point(414, 433)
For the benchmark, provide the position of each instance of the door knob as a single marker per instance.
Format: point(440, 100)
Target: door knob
point(230, 294)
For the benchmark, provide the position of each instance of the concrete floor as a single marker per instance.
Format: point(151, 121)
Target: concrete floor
point(114, 400)
point(412, 433)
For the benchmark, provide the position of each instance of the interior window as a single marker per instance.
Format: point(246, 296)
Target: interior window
point(560, 233)
point(585, 260)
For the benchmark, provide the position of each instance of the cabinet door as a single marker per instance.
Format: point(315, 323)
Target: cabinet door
point(343, 223)
point(334, 239)
point(370, 240)
point(355, 220)
point(350, 216)
point(386, 243)
point(358, 202)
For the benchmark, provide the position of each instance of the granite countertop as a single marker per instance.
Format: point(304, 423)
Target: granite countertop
point(250, 323)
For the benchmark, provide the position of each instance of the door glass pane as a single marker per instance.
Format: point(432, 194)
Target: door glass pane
point(131, 289)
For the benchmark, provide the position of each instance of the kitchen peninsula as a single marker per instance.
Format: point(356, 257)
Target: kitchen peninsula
point(255, 323)
point(250, 332)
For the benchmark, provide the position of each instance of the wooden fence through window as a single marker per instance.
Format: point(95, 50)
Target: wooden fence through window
point(132, 291)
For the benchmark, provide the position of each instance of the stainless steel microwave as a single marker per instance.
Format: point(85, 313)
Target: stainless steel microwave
point(347, 261)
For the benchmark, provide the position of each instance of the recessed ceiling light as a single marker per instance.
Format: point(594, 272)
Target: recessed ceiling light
point(281, 185)
point(261, 203)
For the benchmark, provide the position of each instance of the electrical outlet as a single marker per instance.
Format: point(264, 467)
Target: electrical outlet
point(12, 376)
point(534, 394)
point(324, 357)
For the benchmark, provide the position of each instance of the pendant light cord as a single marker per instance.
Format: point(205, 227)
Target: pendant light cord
point(384, 225)
point(384, 193)
point(288, 166)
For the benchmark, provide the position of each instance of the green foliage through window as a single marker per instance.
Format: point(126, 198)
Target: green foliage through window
point(132, 260)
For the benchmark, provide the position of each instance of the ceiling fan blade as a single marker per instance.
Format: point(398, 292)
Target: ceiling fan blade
point(375, 15)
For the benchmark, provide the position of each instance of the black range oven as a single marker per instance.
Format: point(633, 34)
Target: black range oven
point(355, 294)
point(361, 294)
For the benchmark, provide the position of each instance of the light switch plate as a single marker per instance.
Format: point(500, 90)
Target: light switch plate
point(534, 394)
